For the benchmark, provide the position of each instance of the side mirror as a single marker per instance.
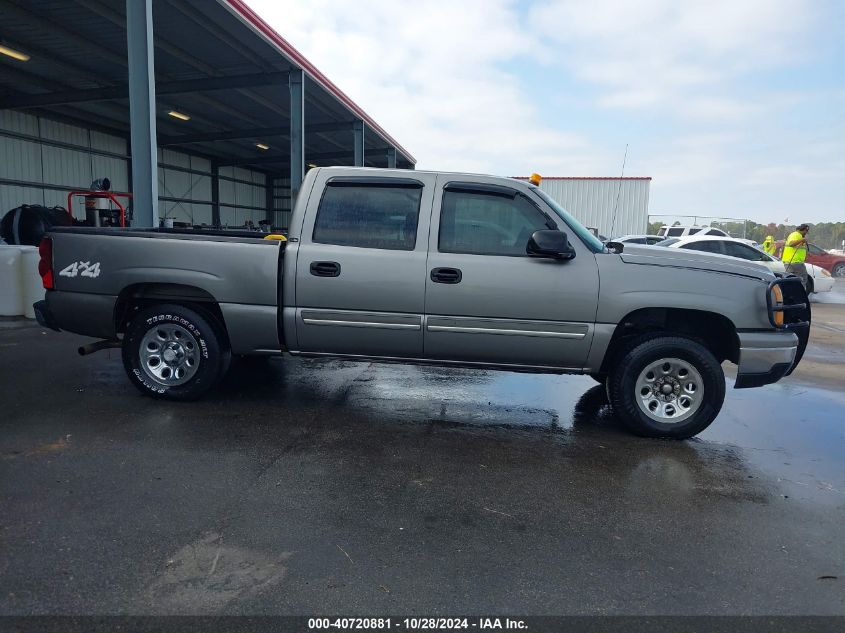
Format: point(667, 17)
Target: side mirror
point(550, 243)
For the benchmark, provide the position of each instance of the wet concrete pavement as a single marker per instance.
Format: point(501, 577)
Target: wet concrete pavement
point(311, 487)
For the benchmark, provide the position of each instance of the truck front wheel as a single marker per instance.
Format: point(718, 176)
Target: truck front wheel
point(173, 352)
point(666, 386)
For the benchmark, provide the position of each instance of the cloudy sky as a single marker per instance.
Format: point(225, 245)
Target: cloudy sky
point(736, 108)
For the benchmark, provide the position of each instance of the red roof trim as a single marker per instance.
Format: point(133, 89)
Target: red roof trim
point(246, 12)
point(586, 177)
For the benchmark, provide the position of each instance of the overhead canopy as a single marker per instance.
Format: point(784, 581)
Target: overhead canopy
point(216, 61)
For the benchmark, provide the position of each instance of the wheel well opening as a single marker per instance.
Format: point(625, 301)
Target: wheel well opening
point(139, 296)
point(716, 332)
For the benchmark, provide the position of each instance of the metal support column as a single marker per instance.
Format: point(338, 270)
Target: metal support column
point(215, 194)
point(391, 158)
point(297, 132)
point(142, 112)
point(270, 191)
point(358, 136)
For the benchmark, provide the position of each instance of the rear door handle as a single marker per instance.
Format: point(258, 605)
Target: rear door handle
point(325, 269)
point(446, 275)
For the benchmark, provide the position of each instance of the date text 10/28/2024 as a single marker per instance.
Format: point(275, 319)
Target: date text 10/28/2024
point(416, 623)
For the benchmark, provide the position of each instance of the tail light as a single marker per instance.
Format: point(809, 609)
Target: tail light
point(45, 264)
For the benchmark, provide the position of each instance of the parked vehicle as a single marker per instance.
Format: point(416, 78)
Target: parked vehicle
point(650, 240)
point(725, 246)
point(818, 279)
point(819, 257)
point(683, 231)
point(388, 265)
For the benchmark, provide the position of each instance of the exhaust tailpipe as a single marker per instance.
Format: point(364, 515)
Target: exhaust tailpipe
point(96, 346)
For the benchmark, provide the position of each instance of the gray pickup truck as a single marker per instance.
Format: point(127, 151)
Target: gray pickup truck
point(425, 267)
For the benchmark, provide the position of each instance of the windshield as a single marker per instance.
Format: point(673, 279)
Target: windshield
point(580, 230)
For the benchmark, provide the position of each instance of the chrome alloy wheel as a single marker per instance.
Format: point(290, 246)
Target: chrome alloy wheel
point(169, 354)
point(669, 390)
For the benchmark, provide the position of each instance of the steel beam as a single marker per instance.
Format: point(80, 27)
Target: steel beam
point(391, 158)
point(109, 93)
point(283, 159)
point(215, 194)
point(256, 133)
point(270, 197)
point(142, 112)
point(259, 133)
point(358, 143)
point(297, 131)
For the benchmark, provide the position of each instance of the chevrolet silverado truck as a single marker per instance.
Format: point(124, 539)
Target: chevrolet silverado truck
point(425, 267)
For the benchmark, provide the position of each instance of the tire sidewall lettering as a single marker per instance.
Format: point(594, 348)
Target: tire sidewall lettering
point(151, 321)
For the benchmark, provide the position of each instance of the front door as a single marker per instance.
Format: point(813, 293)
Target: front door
point(486, 299)
point(360, 266)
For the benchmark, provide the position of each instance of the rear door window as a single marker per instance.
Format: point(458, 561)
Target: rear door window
point(366, 215)
point(743, 251)
point(709, 246)
point(675, 232)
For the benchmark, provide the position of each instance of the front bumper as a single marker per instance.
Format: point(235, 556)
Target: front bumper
point(766, 357)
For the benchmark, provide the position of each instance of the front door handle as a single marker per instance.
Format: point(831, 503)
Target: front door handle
point(325, 269)
point(446, 275)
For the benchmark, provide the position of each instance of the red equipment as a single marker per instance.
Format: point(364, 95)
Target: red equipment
point(92, 195)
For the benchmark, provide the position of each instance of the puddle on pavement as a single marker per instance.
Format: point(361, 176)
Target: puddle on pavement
point(791, 432)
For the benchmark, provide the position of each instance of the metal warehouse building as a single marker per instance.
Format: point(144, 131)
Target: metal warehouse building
point(229, 120)
point(611, 206)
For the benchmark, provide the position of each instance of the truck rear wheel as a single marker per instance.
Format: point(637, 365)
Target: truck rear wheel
point(173, 352)
point(666, 386)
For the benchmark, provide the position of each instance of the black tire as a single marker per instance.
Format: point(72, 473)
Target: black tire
point(599, 378)
point(201, 334)
point(838, 270)
point(636, 358)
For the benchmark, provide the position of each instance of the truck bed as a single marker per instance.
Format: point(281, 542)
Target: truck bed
point(97, 270)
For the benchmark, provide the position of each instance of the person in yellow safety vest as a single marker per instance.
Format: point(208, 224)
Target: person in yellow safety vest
point(769, 245)
point(795, 252)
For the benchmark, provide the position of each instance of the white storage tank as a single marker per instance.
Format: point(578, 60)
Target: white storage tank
point(32, 288)
point(11, 294)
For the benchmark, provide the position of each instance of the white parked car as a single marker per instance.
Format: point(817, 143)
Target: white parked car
point(649, 240)
point(722, 245)
point(819, 280)
point(685, 231)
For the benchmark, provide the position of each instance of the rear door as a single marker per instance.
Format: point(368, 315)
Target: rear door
point(361, 265)
point(486, 299)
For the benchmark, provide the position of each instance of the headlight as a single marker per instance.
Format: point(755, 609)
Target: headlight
point(777, 303)
point(825, 273)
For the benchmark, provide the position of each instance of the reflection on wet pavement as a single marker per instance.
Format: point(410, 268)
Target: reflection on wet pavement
point(314, 484)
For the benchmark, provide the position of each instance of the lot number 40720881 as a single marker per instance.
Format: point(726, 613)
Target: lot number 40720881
point(83, 269)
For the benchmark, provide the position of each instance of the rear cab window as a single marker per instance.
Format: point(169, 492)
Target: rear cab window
point(369, 213)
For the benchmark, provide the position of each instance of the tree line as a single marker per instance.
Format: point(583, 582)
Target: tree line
point(826, 235)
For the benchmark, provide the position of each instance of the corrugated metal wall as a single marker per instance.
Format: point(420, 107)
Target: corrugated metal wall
point(42, 160)
point(592, 202)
